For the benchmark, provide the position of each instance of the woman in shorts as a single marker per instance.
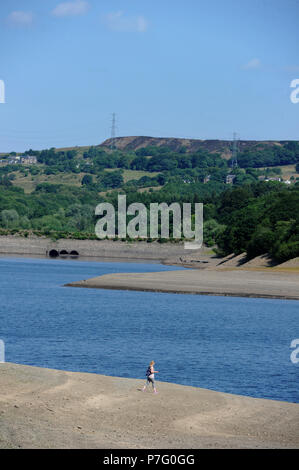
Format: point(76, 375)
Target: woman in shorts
point(150, 374)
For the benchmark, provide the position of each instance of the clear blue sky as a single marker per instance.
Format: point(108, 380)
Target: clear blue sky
point(194, 68)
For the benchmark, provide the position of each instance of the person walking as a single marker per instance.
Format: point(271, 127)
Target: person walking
point(150, 374)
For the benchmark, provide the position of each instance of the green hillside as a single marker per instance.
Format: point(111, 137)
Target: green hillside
point(248, 207)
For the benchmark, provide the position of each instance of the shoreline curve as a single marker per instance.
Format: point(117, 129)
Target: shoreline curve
point(232, 283)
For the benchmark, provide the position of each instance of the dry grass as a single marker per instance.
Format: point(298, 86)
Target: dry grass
point(29, 183)
point(137, 174)
point(286, 171)
point(129, 175)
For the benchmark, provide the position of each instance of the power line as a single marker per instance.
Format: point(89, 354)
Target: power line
point(113, 132)
point(235, 150)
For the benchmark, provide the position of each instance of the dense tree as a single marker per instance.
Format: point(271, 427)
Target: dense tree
point(86, 180)
point(139, 163)
point(262, 156)
point(9, 218)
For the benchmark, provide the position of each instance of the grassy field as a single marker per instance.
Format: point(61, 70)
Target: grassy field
point(29, 183)
point(137, 174)
point(286, 171)
point(129, 175)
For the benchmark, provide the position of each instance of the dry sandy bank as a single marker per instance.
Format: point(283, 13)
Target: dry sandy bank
point(44, 408)
point(232, 282)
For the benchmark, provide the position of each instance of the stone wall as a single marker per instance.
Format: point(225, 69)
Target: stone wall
point(40, 246)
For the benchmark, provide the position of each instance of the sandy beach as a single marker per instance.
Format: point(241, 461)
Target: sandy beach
point(45, 408)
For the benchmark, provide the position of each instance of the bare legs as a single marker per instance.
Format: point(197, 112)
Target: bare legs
point(152, 381)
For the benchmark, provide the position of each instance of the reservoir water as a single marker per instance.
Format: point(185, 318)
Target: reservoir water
point(229, 344)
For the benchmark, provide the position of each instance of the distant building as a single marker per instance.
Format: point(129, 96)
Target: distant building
point(24, 160)
point(261, 178)
point(230, 179)
point(288, 182)
point(273, 178)
point(206, 179)
point(29, 160)
point(14, 160)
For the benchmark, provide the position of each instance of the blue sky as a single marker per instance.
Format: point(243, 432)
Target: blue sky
point(194, 68)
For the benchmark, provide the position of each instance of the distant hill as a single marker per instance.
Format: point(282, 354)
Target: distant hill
point(132, 143)
point(223, 147)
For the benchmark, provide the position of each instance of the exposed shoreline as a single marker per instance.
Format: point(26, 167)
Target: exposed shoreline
point(235, 282)
point(202, 272)
point(46, 408)
point(182, 291)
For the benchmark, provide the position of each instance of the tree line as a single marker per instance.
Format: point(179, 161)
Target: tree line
point(258, 217)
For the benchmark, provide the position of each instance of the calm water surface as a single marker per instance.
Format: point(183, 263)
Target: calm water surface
point(234, 345)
